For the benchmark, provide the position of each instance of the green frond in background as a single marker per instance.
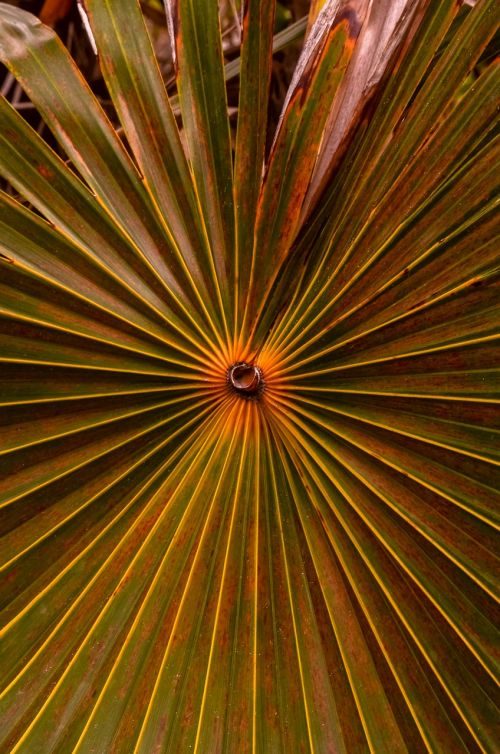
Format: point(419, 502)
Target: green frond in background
point(249, 415)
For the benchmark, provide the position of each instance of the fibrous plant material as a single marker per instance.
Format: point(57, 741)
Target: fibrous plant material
point(249, 405)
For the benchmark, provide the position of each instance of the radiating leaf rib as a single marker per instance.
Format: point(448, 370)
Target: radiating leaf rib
point(418, 51)
point(447, 531)
point(371, 171)
point(333, 205)
point(53, 427)
point(232, 681)
point(48, 383)
point(293, 154)
point(402, 663)
point(54, 329)
point(457, 680)
point(415, 682)
point(479, 384)
point(28, 341)
point(446, 148)
point(130, 653)
point(118, 603)
point(369, 176)
point(319, 701)
point(389, 338)
point(443, 81)
point(442, 211)
point(209, 733)
point(44, 527)
point(174, 684)
point(255, 75)
point(49, 184)
point(30, 296)
point(270, 715)
point(105, 510)
point(451, 434)
point(292, 33)
point(61, 458)
point(460, 480)
point(420, 329)
point(447, 271)
point(377, 718)
point(28, 241)
point(92, 488)
point(86, 135)
point(451, 143)
point(292, 705)
point(435, 223)
point(140, 98)
point(475, 629)
point(443, 270)
point(469, 345)
point(195, 37)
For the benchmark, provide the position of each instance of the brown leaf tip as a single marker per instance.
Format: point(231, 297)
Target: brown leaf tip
point(245, 379)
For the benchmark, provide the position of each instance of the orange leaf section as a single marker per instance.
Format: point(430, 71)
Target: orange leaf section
point(54, 10)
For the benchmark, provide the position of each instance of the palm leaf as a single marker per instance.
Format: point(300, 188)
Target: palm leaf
point(249, 412)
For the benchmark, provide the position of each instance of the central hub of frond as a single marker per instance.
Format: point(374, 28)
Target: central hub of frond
point(245, 379)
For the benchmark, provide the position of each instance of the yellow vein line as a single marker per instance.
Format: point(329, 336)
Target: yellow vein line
point(147, 717)
point(97, 368)
point(401, 469)
point(109, 420)
point(243, 450)
point(203, 440)
point(402, 432)
point(95, 260)
point(100, 454)
point(35, 543)
point(288, 461)
point(382, 538)
point(385, 589)
point(387, 359)
point(109, 602)
point(159, 571)
point(338, 636)
point(373, 258)
point(256, 583)
point(134, 323)
point(439, 298)
point(359, 593)
point(82, 397)
point(418, 526)
point(115, 344)
point(290, 387)
point(290, 594)
point(131, 169)
point(152, 197)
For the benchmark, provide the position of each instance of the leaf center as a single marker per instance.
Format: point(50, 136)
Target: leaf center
point(245, 379)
